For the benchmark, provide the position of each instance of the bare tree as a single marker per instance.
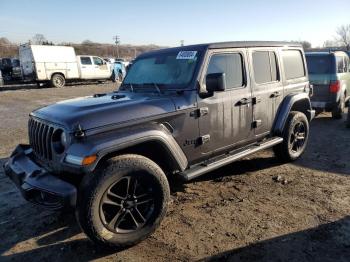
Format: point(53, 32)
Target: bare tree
point(39, 39)
point(305, 44)
point(343, 35)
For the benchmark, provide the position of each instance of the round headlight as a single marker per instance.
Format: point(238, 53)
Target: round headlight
point(64, 139)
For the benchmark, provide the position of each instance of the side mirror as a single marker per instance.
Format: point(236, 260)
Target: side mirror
point(215, 82)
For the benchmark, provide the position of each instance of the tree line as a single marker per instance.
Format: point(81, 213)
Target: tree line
point(341, 40)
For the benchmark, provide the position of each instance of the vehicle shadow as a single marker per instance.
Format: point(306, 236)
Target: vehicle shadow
point(327, 242)
point(44, 233)
point(331, 156)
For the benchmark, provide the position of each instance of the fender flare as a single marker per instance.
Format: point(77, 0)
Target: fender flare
point(108, 144)
point(286, 107)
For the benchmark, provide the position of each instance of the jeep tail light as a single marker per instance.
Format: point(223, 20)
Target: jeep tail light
point(334, 87)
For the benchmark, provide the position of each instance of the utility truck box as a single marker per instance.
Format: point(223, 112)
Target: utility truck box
point(57, 64)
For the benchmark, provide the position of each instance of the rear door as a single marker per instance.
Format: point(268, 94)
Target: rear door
point(86, 67)
point(228, 118)
point(267, 88)
point(102, 70)
point(322, 71)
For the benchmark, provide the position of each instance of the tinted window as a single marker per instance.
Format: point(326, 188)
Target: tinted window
point(320, 64)
point(85, 60)
point(231, 65)
point(98, 61)
point(293, 64)
point(265, 67)
point(15, 63)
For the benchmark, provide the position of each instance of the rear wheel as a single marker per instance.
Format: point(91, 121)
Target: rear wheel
point(295, 137)
point(339, 109)
point(124, 202)
point(348, 118)
point(58, 80)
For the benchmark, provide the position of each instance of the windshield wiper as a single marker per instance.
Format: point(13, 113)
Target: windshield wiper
point(155, 86)
point(128, 84)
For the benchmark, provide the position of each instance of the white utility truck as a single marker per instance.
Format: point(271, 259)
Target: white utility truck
point(58, 64)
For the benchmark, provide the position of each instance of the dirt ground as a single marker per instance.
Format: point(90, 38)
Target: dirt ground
point(237, 213)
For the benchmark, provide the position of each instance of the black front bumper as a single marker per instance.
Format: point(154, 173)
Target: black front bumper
point(36, 184)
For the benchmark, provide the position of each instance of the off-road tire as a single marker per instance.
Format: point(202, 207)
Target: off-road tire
point(283, 151)
point(339, 109)
point(58, 81)
point(94, 186)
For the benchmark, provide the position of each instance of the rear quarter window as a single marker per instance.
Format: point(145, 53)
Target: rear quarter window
point(293, 64)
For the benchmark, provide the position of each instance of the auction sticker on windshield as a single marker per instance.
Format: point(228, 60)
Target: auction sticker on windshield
point(186, 55)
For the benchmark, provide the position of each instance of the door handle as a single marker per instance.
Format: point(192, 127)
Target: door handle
point(83, 67)
point(243, 101)
point(275, 94)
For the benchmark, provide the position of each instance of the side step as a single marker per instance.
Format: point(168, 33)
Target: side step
point(201, 169)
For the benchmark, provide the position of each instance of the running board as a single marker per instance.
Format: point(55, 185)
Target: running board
point(201, 169)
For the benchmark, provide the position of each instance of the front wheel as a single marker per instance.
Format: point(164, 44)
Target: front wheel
point(295, 137)
point(123, 202)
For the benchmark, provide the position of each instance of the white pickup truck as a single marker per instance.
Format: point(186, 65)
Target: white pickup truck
point(59, 64)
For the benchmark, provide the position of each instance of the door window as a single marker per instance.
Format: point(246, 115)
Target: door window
point(293, 64)
point(231, 65)
point(340, 64)
point(85, 60)
point(98, 61)
point(265, 67)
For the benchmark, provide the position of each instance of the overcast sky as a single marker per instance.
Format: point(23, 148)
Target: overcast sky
point(165, 22)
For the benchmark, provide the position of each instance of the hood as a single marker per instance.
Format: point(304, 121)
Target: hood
point(105, 109)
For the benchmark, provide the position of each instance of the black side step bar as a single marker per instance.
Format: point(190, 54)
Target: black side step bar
point(201, 169)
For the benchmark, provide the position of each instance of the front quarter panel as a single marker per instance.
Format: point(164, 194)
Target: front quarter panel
point(108, 142)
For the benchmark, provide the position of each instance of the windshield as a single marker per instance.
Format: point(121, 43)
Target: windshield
point(320, 64)
point(173, 69)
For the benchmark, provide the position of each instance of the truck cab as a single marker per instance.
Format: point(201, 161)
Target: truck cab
point(93, 67)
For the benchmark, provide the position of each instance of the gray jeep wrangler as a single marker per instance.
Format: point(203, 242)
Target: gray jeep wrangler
point(179, 112)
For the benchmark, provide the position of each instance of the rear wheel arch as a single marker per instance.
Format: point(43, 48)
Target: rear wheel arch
point(294, 102)
point(302, 106)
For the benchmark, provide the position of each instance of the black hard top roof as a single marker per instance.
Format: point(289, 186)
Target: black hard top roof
point(234, 44)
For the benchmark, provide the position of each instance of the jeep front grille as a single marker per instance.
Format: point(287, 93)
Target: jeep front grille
point(40, 137)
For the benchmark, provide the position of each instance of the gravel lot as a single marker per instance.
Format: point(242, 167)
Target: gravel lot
point(237, 213)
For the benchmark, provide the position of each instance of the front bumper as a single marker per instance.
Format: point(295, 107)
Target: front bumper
point(36, 184)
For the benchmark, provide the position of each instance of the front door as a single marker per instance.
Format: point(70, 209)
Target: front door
point(102, 70)
point(267, 89)
point(86, 67)
point(226, 116)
